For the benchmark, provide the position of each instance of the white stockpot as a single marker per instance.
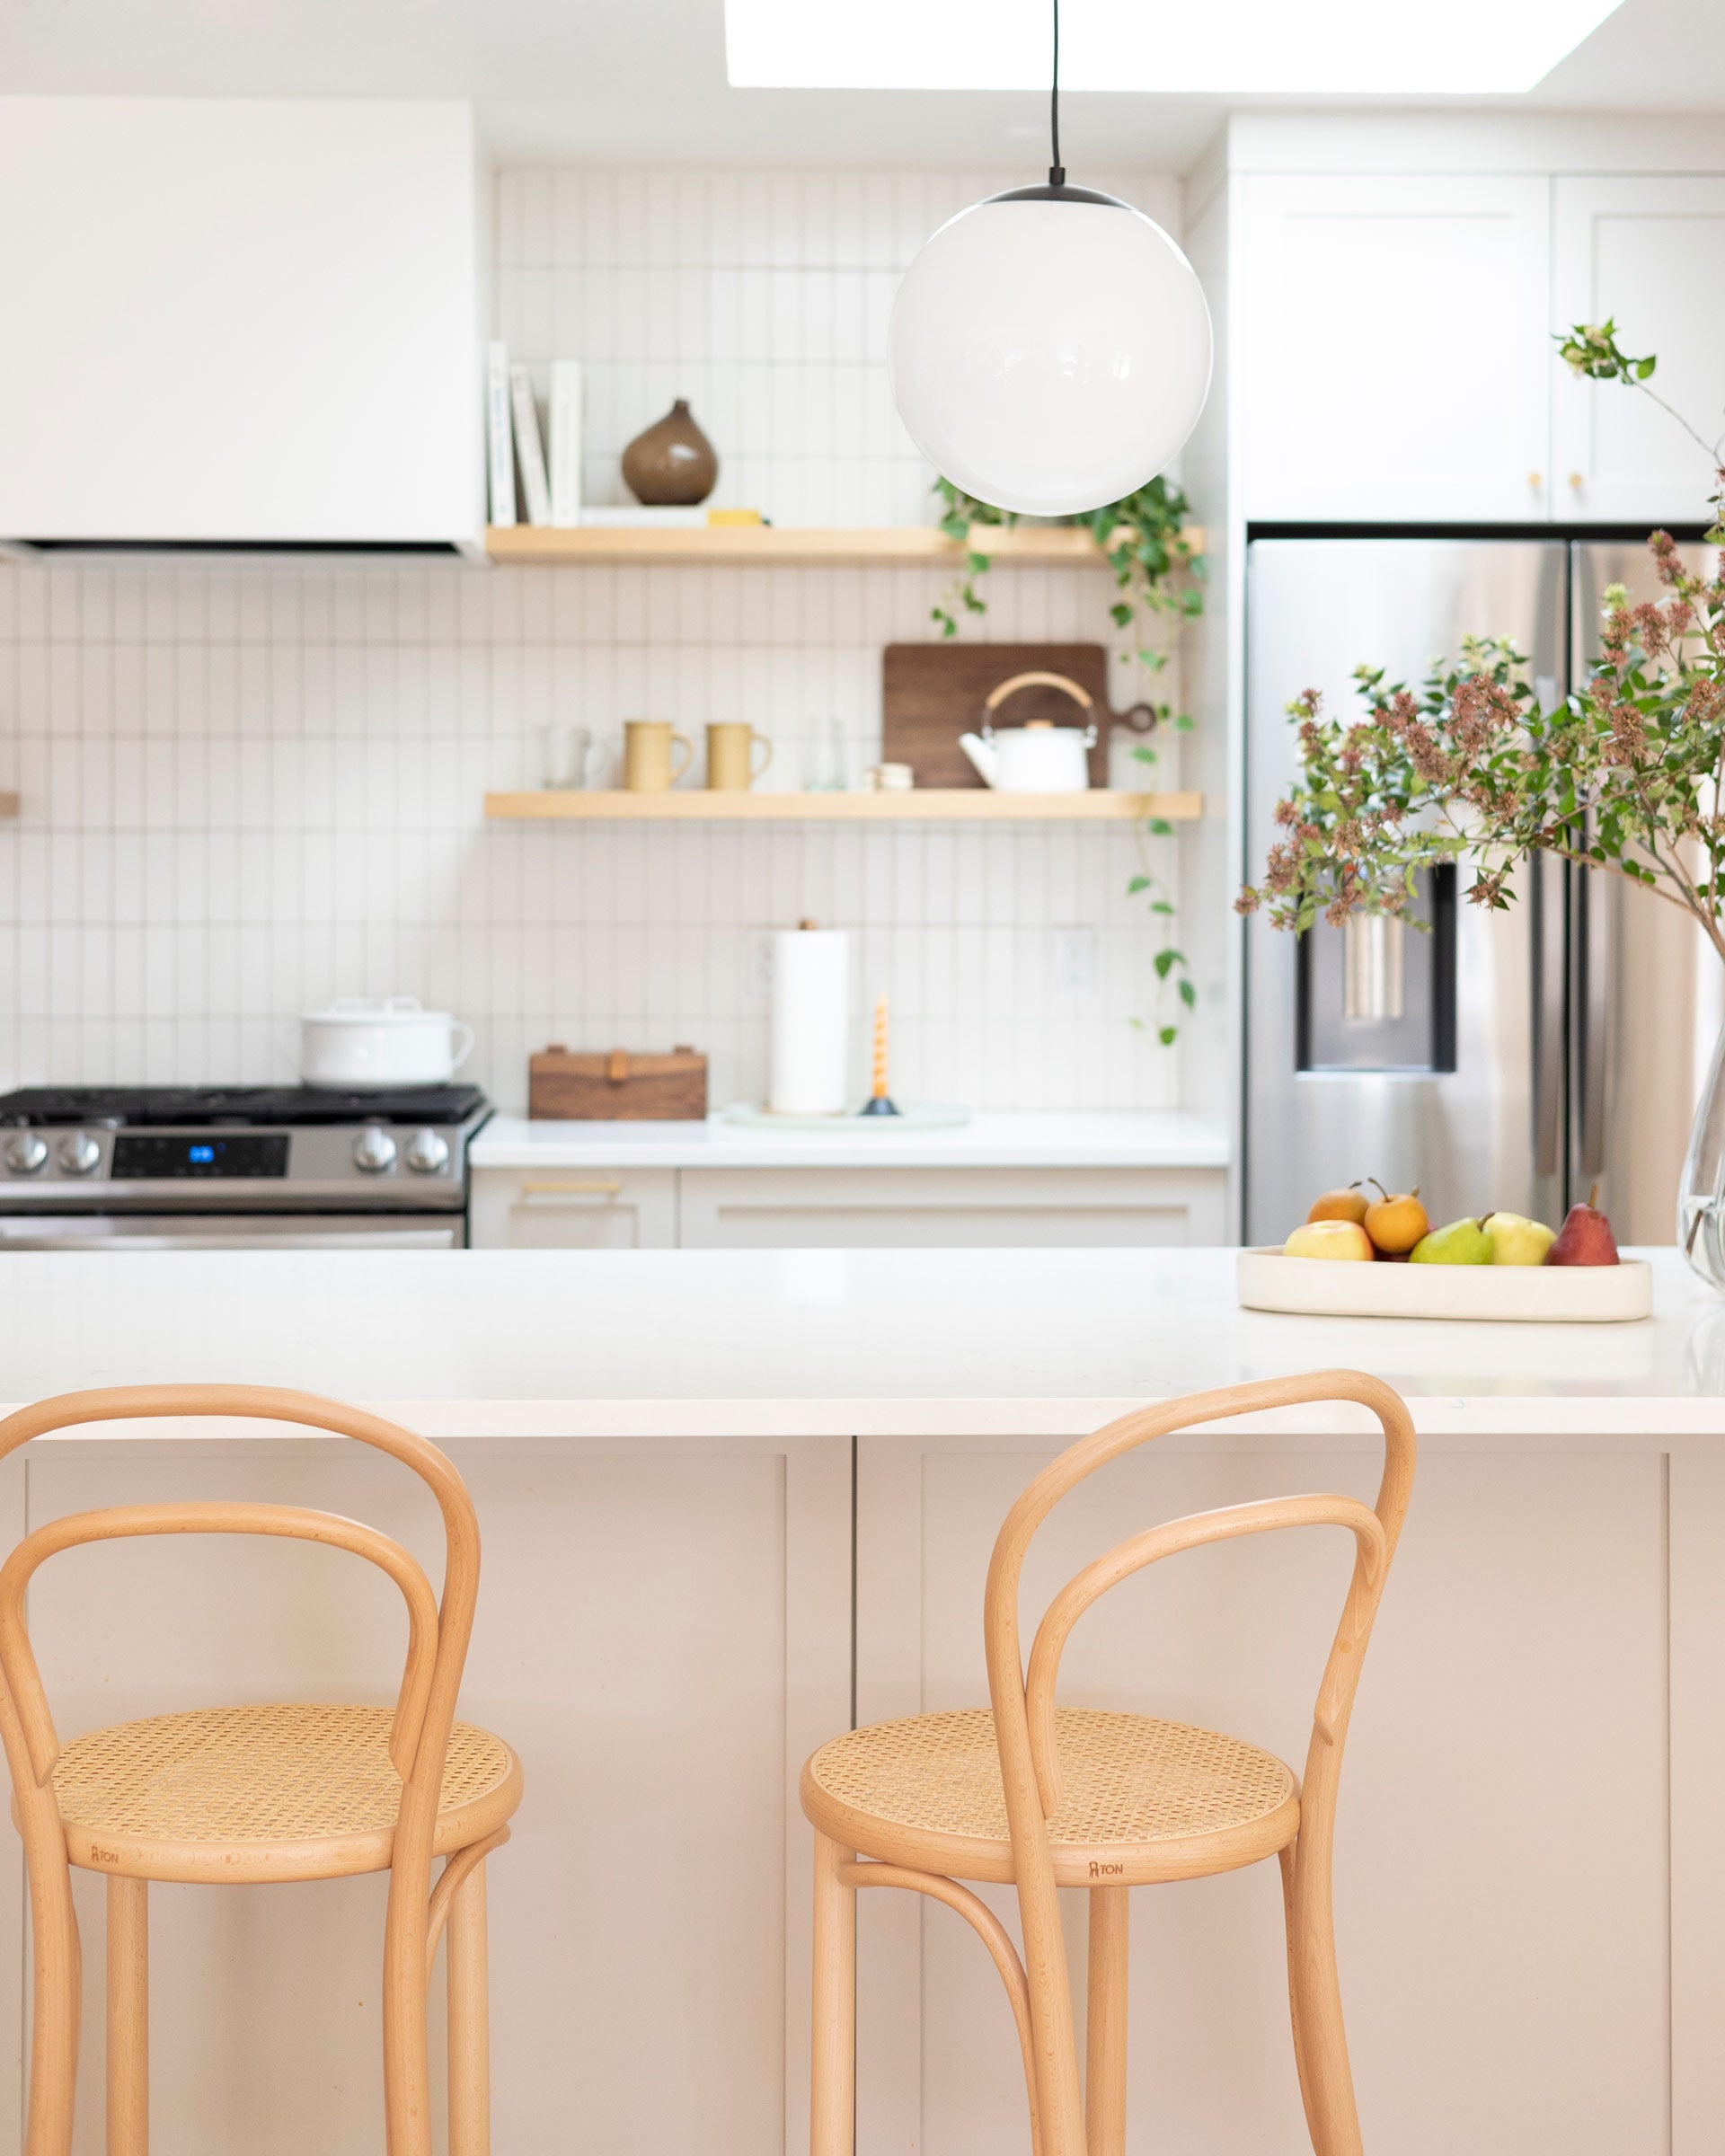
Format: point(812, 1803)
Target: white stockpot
point(355, 1044)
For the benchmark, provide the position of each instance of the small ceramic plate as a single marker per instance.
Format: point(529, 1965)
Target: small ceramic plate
point(1525, 1294)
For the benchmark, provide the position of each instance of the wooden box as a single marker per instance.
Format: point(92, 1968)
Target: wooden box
point(617, 1087)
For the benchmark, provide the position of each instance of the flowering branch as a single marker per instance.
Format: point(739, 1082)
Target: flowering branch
point(1625, 775)
point(1622, 776)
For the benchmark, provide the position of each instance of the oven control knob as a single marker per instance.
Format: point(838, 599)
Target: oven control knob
point(79, 1153)
point(374, 1151)
point(428, 1153)
point(25, 1153)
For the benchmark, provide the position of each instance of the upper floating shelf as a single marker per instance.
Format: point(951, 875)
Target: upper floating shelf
point(787, 545)
point(932, 804)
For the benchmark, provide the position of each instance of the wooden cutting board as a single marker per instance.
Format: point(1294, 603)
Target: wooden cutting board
point(931, 693)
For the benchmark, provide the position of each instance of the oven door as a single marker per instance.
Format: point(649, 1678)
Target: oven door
point(232, 1232)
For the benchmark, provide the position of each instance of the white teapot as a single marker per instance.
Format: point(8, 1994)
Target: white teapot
point(1039, 757)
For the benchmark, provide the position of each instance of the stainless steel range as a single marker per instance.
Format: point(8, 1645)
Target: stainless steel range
point(130, 1168)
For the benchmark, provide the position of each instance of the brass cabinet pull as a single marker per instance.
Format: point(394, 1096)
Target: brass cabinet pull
point(561, 1187)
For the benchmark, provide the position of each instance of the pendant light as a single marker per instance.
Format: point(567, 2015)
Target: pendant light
point(1049, 348)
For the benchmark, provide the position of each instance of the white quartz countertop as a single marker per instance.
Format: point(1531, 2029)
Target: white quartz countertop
point(1050, 1139)
point(917, 1341)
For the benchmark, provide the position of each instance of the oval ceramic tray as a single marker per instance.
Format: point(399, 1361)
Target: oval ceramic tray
point(1526, 1295)
point(916, 1115)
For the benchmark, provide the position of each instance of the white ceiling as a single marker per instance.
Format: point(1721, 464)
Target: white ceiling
point(643, 82)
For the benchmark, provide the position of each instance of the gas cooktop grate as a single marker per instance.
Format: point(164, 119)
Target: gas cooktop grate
point(246, 1106)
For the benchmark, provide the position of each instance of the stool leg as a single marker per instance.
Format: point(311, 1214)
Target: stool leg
point(129, 2017)
point(1105, 2022)
point(1288, 1860)
point(832, 2126)
point(470, 2022)
point(1320, 2042)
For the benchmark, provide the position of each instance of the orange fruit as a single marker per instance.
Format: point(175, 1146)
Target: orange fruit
point(1396, 1220)
point(1341, 1204)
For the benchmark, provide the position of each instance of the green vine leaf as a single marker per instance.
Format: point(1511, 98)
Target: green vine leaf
point(1146, 540)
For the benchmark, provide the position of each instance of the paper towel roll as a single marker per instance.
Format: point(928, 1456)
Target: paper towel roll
point(812, 986)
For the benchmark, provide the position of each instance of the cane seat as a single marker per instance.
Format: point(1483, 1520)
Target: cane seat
point(1142, 1800)
point(277, 1792)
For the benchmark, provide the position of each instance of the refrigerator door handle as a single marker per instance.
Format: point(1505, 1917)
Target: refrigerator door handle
point(1593, 993)
point(1549, 1002)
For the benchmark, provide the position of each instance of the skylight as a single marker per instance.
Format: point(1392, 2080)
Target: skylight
point(1397, 48)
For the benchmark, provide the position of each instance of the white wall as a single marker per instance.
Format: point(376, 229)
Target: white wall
point(249, 787)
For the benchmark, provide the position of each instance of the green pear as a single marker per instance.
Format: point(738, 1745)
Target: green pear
point(1517, 1241)
point(1461, 1242)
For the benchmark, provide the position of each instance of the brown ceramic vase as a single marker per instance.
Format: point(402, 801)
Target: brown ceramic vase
point(672, 464)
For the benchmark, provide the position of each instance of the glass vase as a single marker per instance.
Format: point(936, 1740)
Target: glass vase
point(1701, 1194)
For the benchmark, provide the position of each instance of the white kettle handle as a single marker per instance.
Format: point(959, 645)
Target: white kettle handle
point(460, 1025)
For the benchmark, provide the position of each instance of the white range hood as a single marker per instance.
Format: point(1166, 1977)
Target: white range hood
point(238, 322)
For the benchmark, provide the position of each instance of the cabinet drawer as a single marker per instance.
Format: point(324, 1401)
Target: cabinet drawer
point(861, 1208)
point(573, 1209)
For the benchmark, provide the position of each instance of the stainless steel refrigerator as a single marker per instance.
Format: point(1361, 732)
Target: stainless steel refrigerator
point(1501, 1060)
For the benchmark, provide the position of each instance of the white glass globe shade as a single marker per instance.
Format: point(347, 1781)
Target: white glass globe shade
point(1049, 353)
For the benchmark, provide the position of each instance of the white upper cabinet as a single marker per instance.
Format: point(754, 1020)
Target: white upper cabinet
point(248, 319)
point(1394, 361)
point(1651, 253)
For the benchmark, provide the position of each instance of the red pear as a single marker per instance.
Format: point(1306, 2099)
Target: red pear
point(1585, 1238)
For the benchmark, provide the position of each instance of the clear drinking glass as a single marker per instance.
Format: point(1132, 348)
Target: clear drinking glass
point(563, 755)
point(827, 758)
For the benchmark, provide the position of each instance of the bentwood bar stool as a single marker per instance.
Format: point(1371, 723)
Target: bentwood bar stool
point(258, 1793)
point(1043, 1796)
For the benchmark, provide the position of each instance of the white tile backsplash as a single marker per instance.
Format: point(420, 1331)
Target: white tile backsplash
point(249, 788)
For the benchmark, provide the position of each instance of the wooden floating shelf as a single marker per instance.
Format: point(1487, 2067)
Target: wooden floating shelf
point(787, 546)
point(933, 804)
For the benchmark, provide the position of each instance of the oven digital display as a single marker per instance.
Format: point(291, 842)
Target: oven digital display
point(150, 1156)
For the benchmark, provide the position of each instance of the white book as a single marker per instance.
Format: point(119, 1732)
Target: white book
point(565, 444)
point(631, 518)
point(529, 454)
point(498, 448)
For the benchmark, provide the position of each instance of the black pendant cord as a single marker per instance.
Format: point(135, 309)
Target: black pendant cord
point(1057, 171)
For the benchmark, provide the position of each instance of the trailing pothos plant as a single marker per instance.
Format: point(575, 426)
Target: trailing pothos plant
point(1157, 572)
point(1626, 775)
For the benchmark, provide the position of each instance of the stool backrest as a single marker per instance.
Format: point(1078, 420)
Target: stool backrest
point(1024, 1701)
point(440, 1626)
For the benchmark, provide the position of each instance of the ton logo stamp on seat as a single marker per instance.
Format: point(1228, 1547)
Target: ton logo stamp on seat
point(1042, 1797)
point(252, 1794)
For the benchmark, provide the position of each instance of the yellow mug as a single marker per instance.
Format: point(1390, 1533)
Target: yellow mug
point(647, 755)
point(731, 767)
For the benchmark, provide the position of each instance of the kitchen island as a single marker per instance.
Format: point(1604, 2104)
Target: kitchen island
point(730, 1499)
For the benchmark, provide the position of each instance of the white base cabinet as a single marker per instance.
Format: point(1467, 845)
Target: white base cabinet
point(863, 1208)
point(844, 1209)
point(572, 1209)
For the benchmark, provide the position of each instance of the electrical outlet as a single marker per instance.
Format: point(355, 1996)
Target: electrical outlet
point(1076, 961)
point(757, 965)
